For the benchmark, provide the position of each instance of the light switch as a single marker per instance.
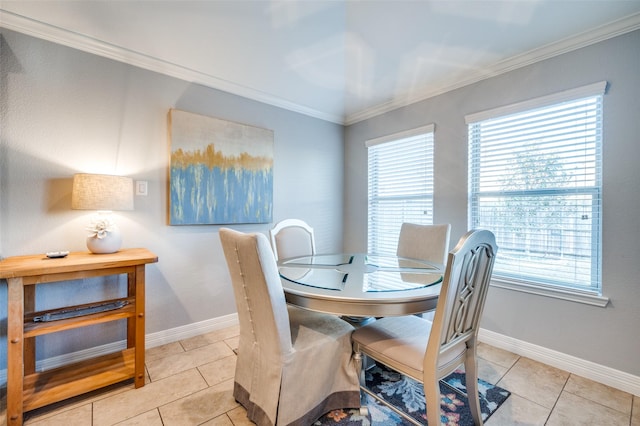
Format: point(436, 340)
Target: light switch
point(141, 187)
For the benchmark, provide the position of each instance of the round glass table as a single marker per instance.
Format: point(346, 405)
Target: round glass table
point(361, 285)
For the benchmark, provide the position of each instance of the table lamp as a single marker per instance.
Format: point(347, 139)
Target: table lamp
point(103, 193)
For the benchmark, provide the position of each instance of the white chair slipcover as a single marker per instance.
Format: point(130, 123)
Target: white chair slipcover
point(293, 365)
point(424, 242)
point(429, 351)
point(291, 238)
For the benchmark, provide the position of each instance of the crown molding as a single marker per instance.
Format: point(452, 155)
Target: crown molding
point(598, 34)
point(94, 46)
point(85, 43)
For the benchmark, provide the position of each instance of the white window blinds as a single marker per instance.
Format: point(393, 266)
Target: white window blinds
point(535, 180)
point(400, 183)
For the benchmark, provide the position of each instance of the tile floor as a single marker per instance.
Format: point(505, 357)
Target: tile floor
point(190, 383)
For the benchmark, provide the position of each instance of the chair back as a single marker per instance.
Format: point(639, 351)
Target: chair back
point(292, 238)
point(262, 309)
point(424, 242)
point(464, 291)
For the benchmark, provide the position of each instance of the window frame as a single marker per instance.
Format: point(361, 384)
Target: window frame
point(592, 296)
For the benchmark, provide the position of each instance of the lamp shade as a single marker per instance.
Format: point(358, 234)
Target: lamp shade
point(101, 192)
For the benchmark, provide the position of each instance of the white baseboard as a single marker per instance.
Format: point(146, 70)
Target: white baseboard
point(587, 369)
point(191, 330)
point(151, 340)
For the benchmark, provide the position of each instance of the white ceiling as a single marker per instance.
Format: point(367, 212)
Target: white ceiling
point(341, 61)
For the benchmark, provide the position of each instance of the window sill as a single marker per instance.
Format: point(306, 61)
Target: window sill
point(548, 291)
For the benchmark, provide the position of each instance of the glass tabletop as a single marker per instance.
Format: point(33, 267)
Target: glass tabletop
point(330, 279)
point(320, 260)
point(372, 273)
point(371, 260)
point(398, 281)
point(361, 285)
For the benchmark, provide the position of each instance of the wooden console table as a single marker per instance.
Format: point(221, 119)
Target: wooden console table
point(28, 389)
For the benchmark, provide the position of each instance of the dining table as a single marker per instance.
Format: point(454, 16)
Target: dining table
point(361, 285)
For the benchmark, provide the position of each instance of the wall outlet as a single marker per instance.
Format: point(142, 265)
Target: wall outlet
point(141, 187)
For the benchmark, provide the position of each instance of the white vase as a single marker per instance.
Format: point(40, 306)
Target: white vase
point(109, 244)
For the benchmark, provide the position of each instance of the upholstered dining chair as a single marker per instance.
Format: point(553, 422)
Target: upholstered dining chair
point(291, 238)
point(293, 365)
point(424, 242)
point(429, 351)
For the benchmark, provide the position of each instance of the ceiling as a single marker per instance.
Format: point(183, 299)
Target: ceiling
point(341, 61)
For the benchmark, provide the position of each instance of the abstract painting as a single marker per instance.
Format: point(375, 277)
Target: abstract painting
point(221, 172)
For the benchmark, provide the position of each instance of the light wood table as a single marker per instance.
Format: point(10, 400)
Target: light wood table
point(28, 389)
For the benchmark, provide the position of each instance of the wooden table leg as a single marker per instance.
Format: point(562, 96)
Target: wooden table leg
point(15, 350)
point(139, 328)
point(29, 352)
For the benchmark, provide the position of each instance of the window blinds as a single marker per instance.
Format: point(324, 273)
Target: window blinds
point(400, 181)
point(535, 180)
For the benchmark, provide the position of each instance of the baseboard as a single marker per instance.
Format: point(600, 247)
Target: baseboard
point(191, 330)
point(587, 369)
point(151, 340)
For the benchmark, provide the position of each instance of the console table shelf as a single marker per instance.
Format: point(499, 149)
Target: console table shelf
point(54, 385)
point(28, 389)
point(33, 328)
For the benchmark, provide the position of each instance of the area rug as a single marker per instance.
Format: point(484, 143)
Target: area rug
point(408, 395)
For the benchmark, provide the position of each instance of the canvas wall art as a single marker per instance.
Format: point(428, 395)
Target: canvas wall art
point(221, 172)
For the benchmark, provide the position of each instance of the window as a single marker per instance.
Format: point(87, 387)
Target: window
point(400, 185)
point(535, 180)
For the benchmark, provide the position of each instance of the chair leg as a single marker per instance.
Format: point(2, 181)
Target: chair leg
point(471, 376)
point(432, 399)
point(357, 357)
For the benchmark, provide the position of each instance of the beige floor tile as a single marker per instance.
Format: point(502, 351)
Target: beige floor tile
point(517, 411)
point(602, 394)
point(233, 342)
point(211, 337)
point(163, 351)
point(534, 381)
point(150, 418)
point(222, 420)
point(167, 366)
point(497, 356)
point(635, 418)
point(218, 371)
point(239, 417)
point(490, 372)
point(199, 407)
point(572, 410)
point(78, 401)
point(80, 416)
point(129, 404)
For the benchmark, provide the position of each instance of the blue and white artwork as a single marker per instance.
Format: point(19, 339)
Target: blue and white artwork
point(221, 172)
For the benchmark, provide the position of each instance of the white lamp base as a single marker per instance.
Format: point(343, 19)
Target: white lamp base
point(111, 243)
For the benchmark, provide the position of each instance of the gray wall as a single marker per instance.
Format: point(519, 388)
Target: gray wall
point(64, 111)
point(606, 336)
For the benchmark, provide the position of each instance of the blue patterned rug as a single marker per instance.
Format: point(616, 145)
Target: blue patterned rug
point(408, 395)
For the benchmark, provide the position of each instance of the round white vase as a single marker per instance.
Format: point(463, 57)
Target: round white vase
point(109, 244)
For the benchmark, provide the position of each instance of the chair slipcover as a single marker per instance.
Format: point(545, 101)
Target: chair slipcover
point(425, 242)
point(429, 351)
point(293, 365)
point(292, 238)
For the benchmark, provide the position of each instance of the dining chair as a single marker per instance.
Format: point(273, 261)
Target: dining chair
point(293, 365)
point(424, 242)
point(429, 351)
point(291, 238)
